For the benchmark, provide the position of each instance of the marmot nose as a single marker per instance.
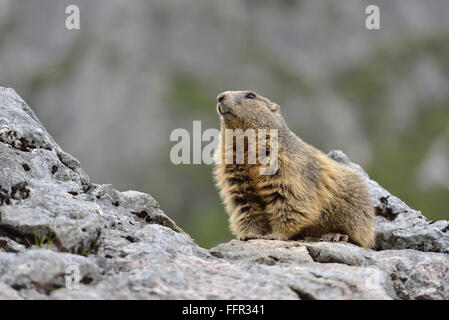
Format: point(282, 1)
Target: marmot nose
point(220, 98)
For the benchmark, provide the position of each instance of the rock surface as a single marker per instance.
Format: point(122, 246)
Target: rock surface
point(62, 237)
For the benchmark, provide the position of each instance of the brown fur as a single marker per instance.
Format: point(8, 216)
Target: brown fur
point(310, 195)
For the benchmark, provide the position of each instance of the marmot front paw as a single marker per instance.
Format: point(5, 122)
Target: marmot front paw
point(246, 238)
point(334, 237)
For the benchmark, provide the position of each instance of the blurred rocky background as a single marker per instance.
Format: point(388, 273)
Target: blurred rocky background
point(111, 92)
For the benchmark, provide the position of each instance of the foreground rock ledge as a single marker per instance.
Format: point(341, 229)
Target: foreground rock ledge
point(124, 246)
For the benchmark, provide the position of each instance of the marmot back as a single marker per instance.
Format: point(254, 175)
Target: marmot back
point(310, 195)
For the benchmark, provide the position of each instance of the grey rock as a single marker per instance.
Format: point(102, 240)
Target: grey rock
point(263, 252)
point(44, 270)
point(63, 237)
point(8, 293)
point(45, 195)
point(291, 264)
point(415, 274)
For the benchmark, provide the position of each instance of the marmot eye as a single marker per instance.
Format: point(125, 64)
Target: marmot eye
point(250, 95)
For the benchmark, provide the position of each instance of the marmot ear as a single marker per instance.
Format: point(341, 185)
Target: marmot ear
point(274, 106)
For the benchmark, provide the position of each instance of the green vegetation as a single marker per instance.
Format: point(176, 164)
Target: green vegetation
point(41, 241)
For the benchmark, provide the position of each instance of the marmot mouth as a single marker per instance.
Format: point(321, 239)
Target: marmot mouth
point(221, 109)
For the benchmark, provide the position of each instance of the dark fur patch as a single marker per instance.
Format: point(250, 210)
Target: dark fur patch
point(245, 209)
point(231, 169)
point(299, 212)
point(267, 187)
point(238, 201)
point(275, 197)
point(236, 180)
point(256, 199)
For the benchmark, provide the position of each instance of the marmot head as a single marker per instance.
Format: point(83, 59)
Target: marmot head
point(248, 110)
